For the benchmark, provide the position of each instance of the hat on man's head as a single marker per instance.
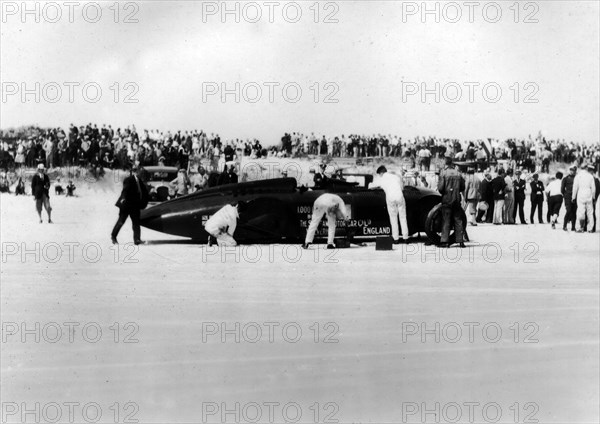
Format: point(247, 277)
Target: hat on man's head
point(41, 166)
point(573, 168)
point(382, 169)
point(591, 167)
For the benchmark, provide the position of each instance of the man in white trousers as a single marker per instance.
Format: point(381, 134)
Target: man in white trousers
point(335, 208)
point(393, 187)
point(222, 226)
point(584, 192)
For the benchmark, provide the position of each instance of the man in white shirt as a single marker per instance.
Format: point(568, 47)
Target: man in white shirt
point(393, 187)
point(334, 207)
point(555, 198)
point(222, 225)
point(584, 192)
point(425, 156)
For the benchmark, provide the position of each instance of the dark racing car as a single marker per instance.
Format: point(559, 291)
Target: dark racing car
point(278, 211)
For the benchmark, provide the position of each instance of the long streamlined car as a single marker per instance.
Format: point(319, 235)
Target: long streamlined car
point(277, 210)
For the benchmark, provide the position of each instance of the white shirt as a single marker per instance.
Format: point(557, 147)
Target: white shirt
point(333, 204)
point(553, 189)
point(225, 217)
point(584, 187)
point(392, 185)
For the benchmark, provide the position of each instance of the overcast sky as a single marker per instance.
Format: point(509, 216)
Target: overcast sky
point(370, 58)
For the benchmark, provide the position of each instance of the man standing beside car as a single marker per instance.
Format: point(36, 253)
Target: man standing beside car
point(393, 187)
point(566, 189)
point(133, 199)
point(584, 193)
point(450, 186)
point(334, 207)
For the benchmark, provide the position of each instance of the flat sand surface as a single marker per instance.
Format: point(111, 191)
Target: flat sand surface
point(505, 330)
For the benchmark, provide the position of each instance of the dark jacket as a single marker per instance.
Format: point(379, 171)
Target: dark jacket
point(40, 186)
point(134, 195)
point(486, 190)
point(450, 186)
point(566, 187)
point(213, 179)
point(498, 186)
point(537, 191)
point(320, 180)
point(519, 186)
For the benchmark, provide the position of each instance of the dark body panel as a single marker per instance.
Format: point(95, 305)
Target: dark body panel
point(278, 211)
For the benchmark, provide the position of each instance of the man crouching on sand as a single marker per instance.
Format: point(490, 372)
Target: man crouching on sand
point(221, 226)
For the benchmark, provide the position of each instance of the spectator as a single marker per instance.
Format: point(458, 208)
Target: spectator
point(509, 199)
point(584, 193)
point(40, 189)
point(499, 193)
point(181, 183)
point(472, 194)
point(537, 198)
point(554, 198)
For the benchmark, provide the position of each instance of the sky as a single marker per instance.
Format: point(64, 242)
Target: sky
point(361, 68)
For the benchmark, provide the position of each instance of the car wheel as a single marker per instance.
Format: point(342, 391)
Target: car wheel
point(433, 225)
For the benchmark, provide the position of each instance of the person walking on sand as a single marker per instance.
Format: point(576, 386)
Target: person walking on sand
point(134, 197)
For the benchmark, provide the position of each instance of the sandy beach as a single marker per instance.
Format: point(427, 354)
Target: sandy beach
point(504, 331)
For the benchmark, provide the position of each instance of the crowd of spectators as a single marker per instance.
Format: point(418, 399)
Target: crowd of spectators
point(98, 148)
point(530, 153)
point(90, 146)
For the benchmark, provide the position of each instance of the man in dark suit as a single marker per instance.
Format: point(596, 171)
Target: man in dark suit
point(40, 188)
point(499, 193)
point(519, 186)
point(487, 195)
point(320, 179)
point(537, 198)
point(566, 189)
point(133, 199)
point(451, 184)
